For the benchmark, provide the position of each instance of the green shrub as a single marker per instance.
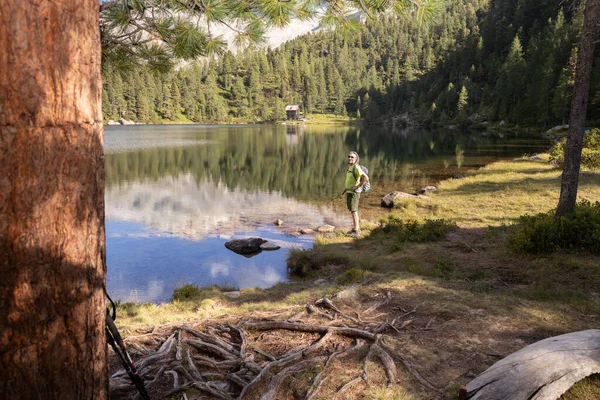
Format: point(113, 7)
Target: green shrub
point(300, 262)
point(590, 158)
point(352, 275)
point(590, 153)
point(186, 292)
point(544, 233)
point(192, 292)
point(131, 309)
point(412, 231)
point(303, 262)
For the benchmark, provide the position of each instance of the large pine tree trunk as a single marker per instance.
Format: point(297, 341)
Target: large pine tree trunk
point(52, 254)
point(585, 60)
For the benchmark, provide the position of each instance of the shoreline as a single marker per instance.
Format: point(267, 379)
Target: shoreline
point(464, 300)
point(294, 227)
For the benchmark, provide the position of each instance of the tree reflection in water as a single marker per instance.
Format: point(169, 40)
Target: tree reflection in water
point(176, 193)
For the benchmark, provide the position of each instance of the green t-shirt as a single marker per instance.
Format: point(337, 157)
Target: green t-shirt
point(353, 176)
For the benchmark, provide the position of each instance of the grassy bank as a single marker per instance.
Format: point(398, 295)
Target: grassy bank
point(459, 297)
point(311, 119)
point(327, 119)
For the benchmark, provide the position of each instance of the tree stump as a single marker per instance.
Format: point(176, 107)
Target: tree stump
point(541, 371)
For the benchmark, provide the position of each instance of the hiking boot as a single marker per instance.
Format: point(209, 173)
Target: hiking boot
point(353, 233)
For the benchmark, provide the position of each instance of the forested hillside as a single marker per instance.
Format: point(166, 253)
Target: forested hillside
point(484, 60)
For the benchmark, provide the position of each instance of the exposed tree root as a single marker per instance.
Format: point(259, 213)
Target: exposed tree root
point(347, 386)
point(229, 361)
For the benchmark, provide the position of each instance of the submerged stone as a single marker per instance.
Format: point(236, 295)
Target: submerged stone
point(245, 247)
point(269, 246)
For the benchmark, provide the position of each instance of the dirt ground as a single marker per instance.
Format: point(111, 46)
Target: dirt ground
point(440, 331)
point(374, 321)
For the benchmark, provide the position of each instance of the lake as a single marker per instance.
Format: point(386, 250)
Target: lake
point(176, 193)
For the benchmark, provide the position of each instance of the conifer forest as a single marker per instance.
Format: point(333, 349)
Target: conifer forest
point(483, 60)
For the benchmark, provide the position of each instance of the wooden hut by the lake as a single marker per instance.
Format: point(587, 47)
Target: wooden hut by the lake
point(292, 111)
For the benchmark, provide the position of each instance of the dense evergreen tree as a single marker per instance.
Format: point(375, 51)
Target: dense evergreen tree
point(490, 59)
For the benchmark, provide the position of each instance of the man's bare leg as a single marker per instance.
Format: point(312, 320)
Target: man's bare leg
point(355, 221)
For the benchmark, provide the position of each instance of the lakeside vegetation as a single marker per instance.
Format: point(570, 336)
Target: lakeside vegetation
point(310, 119)
point(451, 258)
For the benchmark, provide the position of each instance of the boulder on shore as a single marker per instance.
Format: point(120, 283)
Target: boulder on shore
point(326, 228)
point(389, 199)
point(426, 189)
point(124, 121)
point(245, 247)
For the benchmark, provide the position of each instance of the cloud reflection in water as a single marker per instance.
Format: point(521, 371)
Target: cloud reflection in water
point(147, 267)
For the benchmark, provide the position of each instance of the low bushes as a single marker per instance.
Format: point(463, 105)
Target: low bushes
point(590, 154)
point(412, 231)
point(352, 275)
point(302, 262)
point(191, 292)
point(544, 233)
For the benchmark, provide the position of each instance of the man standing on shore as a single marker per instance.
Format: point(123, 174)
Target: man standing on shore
point(355, 179)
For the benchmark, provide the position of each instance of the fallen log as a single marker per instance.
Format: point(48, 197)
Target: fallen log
point(541, 371)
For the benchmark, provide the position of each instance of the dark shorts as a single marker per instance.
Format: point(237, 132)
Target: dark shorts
point(352, 201)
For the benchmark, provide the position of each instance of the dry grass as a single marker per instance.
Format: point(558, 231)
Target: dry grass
point(499, 193)
point(480, 301)
point(586, 389)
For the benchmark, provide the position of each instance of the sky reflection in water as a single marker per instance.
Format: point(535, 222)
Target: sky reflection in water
point(145, 265)
point(175, 194)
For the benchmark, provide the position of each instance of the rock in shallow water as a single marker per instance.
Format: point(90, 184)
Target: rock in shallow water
point(245, 246)
point(269, 246)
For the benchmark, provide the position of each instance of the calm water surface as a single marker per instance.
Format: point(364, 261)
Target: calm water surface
point(176, 194)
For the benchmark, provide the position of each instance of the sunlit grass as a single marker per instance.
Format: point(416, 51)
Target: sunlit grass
point(210, 302)
point(320, 119)
point(468, 274)
point(498, 194)
point(387, 393)
point(585, 389)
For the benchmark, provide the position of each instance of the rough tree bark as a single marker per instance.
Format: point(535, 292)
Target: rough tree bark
point(579, 103)
point(52, 245)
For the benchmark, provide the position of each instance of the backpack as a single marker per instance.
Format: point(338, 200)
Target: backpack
point(367, 186)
